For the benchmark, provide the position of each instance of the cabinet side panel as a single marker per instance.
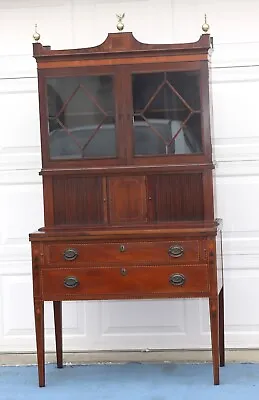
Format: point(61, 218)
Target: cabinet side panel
point(78, 200)
point(176, 197)
point(48, 201)
point(127, 199)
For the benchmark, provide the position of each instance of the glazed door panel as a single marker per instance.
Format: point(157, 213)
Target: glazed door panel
point(166, 113)
point(127, 200)
point(166, 120)
point(82, 121)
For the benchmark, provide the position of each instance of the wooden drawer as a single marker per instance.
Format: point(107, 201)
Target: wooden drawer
point(128, 282)
point(141, 252)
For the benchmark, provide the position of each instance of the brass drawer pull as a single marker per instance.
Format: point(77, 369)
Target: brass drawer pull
point(70, 254)
point(176, 251)
point(71, 282)
point(177, 279)
point(124, 272)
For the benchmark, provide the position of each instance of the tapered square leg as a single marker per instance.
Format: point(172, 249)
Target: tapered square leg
point(39, 327)
point(214, 326)
point(57, 307)
point(221, 329)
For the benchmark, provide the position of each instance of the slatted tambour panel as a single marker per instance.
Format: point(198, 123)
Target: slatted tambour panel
point(176, 197)
point(77, 200)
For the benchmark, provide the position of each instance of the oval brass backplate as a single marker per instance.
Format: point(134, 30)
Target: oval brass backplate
point(70, 254)
point(71, 282)
point(175, 251)
point(177, 279)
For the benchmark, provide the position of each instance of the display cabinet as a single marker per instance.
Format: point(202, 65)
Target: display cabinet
point(127, 176)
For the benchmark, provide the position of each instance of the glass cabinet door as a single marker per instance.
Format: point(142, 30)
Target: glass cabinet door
point(166, 113)
point(81, 117)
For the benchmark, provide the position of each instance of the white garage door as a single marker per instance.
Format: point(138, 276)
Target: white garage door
point(122, 324)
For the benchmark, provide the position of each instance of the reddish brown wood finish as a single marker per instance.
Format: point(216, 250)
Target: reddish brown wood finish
point(78, 200)
point(125, 282)
point(126, 252)
point(57, 308)
point(127, 227)
point(176, 197)
point(127, 200)
point(118, 46)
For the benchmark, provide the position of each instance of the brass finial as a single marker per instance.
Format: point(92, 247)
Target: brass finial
point(36, 35)
point(205, 26)
point(120, 24)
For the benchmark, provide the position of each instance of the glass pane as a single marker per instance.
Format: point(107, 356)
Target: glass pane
point(81, 117)
point(167, 117)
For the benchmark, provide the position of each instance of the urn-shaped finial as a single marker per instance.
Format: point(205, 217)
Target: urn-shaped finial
point(36, 35)
point(120, 24)
point(205, 26)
